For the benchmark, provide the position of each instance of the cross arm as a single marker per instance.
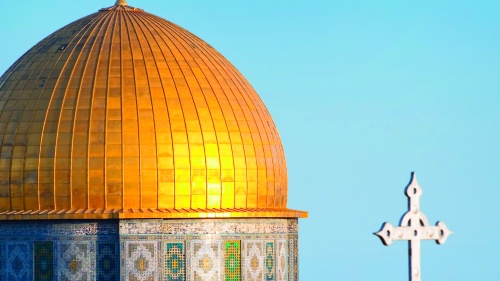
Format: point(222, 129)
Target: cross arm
point(389, 233)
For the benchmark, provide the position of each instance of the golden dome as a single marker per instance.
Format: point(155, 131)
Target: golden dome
point(122, 114)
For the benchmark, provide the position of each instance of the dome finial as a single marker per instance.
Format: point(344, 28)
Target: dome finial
point(121, 5)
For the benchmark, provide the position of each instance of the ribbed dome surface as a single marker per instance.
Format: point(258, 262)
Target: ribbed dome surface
point(124, 114)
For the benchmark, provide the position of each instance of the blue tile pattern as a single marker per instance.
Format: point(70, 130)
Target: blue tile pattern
point(107, 261)
point(18, 261)
point(147, 250)
point(44, 261)
point(1, 262)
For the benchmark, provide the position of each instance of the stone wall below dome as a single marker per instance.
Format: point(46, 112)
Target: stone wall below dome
point(150, 249)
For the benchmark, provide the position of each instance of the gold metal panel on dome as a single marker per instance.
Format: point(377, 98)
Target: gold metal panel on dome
point(123, 110)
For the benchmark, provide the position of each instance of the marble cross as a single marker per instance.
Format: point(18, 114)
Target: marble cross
point(413, 227)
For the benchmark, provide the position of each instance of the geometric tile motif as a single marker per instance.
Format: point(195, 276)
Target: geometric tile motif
point(210, 233)
point(253, 260)
point(141, 261)
point(44, 261)
point(18, 261)
point(175, 265)
point(281, 261)
point(232, 261)
point(205, 260)
point(74, 261)
point(107, 261)
point(270, 262)
point(292, 260)
point(1, 263)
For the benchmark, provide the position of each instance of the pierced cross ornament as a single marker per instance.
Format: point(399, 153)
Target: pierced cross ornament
point(414, 227)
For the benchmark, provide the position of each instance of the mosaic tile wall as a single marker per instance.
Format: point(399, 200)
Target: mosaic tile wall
point(281, 260)
point(175, 261)
point(107, 261)
point(232, 261)
point(75, 260)
point(1, 263)
point(44, 260)
point(18, 262)
point(270, 262)
point(253, 260)
point(150, 250)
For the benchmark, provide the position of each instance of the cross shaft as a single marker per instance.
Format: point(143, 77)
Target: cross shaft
point(413, 227)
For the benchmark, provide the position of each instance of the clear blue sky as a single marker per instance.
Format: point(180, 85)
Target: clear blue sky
point(363, 93)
